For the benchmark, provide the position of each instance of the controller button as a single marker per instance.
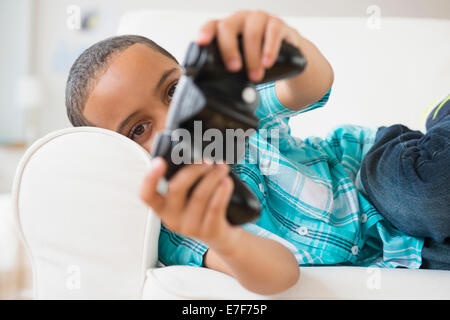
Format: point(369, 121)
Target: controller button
point(249, 95)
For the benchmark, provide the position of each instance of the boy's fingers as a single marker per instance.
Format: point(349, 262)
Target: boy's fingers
point(182, 182)
point(253, 34)
point(227, 32)
point(149, 193)
point(217, 206)
point(207, 33)
point(272, 41)
point(201, 195)
point(291, 35)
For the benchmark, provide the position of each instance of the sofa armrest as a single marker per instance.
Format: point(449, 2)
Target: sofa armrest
point(76, 202)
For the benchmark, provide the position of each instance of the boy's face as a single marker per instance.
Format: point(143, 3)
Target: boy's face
point(132, 96)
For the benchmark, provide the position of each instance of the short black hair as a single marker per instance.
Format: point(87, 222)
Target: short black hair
point(85, 69)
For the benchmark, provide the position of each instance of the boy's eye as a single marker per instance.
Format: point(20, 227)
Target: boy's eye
point(171, 91)
point(139, 130)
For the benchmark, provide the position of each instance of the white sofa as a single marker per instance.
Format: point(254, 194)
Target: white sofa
point(89, 236)
point(76, 191)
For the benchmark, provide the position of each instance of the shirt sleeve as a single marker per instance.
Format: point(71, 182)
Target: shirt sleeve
point(174, 249)
point(270, 110)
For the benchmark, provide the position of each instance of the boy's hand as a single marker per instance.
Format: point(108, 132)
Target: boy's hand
point(255, 262)
point(262, 35)
point(202, 213)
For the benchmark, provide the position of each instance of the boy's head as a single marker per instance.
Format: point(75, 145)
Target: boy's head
point(124, 84)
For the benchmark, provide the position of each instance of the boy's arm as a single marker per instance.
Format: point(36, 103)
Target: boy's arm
point(261, 265)
point(262, 37)
point(309, 86)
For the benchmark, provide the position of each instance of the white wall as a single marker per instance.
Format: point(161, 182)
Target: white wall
point(14, 39)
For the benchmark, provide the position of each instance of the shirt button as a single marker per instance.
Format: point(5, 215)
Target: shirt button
point(261, 187)
point(355, 250)
point(363, 218)
point(303, 231)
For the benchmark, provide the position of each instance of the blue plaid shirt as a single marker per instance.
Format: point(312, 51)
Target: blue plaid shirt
point(311, 197)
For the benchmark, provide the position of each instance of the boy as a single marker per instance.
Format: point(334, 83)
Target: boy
point(316, 207)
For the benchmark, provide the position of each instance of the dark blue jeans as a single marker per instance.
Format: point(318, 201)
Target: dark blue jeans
point(406, 176)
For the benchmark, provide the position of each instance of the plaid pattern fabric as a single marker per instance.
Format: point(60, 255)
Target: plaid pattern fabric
point(311, 196)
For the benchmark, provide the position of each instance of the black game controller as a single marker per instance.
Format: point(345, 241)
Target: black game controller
point(220, 100)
